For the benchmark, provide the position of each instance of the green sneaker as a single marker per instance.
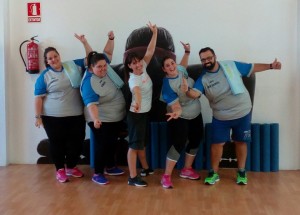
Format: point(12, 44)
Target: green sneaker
point(212, 178)
point(241, 178)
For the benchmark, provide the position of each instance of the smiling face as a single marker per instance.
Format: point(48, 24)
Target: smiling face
point(208, 60)
point(53, 60)
point(170, 68)
point(136, 66)
point(100, 68)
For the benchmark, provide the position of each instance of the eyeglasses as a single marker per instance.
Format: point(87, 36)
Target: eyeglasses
point(203, 60)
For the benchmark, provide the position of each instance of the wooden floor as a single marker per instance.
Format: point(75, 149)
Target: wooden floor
point(33, 189)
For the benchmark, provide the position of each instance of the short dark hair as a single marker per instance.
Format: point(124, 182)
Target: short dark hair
point(207, 49)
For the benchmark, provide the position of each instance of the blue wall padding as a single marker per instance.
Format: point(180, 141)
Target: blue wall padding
point(163, 144)
point(154, 145)
point(255, 147)
point(263, 151)
point(208, 137)
point(274, 127)
point(180, 162)
point(92, 149)
point(248, 161)
point(265, 147)
point(199, 157)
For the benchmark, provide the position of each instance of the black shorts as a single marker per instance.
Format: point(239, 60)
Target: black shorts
point(138, 130)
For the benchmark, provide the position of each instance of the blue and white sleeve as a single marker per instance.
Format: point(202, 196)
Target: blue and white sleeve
point(168, 94)
point(40, 88)
point(198, 86)
point(88, 94)
point(244, 68)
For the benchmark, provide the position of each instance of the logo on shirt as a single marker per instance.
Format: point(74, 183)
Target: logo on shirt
point(213, 84)
point(102, 83)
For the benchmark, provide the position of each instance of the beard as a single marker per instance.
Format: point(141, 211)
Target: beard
point(210, 65)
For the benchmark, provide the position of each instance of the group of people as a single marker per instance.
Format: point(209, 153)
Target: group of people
point(70, 94)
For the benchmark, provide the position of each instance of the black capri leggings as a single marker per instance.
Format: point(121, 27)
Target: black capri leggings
point(181, 130)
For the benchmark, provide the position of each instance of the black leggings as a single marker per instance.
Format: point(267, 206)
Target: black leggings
point(181, 130)
point(66, 136)
point(105, 144)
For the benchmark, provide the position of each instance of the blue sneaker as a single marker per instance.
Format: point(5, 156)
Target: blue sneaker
point(100, 179)
point(114, 171)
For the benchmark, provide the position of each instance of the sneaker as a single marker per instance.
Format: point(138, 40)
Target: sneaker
point(212, 178)
point(241, 178)
point(114, 171)
point(100, 179)
point(61, 175)
point(166, 181)
point(189, 173)
point(75, 172)
point(137, 181)
point(146, 172)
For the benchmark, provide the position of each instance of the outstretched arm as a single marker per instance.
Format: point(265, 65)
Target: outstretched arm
point(185, 58)
point(85, 43)
point(259, 67)
point(110, 45)
point(152, 44)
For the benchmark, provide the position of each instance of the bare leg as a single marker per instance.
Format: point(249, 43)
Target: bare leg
point(216, 155)
point(241, 154)
point(170, 164)
point(189, 159)
point(142, 157)
point(131, 159)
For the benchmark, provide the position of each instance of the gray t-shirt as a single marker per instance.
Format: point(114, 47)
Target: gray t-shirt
point(108, 98)
point(225, 105)
point(171, 93)
point(60, 98)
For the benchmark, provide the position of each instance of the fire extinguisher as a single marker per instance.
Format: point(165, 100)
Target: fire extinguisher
point(32, 51)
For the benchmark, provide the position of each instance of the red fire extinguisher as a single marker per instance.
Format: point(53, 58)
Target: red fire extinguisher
point(32, 51)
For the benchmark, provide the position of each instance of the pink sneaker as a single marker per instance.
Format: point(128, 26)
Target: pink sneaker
point(166, 181)
point(61, 176)
point(189, 173)
point(75, 172)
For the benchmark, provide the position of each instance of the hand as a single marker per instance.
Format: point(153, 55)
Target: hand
point(111, 35)
point(97, 123)
point(81, 38)
point(186, 46)
point(153, 28)
point(276, 64)
point(136, 107)
point(173, 115)
point(38, 122)
point(184, 85)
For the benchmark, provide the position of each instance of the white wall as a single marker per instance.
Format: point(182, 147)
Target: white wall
point(250, 31)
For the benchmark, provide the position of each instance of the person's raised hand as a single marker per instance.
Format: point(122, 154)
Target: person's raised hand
point(276, 64)
point(81, 38)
